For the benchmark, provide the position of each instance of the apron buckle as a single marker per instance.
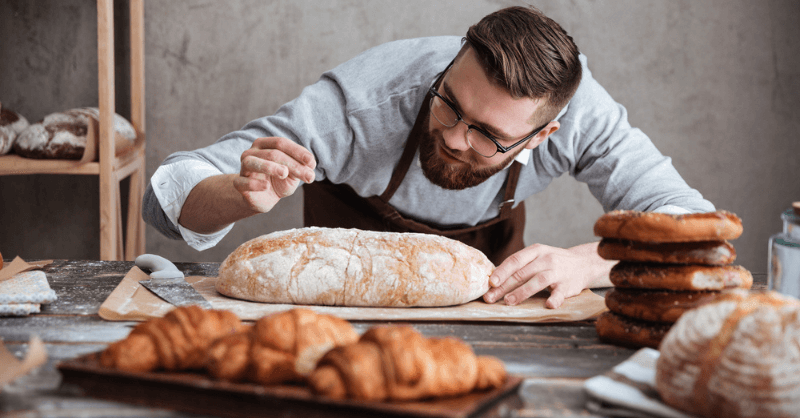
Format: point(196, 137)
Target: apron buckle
point(509, 201)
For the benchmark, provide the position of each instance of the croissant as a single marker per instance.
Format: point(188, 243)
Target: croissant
point(278, 348)
point(177, 341)
point(398, 363)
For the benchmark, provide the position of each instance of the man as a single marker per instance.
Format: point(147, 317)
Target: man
point(438, 135)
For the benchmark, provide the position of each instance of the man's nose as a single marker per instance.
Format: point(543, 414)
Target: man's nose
point(456, 137)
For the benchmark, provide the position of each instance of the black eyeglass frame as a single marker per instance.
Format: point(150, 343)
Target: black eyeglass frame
point(500, 148)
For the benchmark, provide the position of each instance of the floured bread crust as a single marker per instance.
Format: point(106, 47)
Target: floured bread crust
point(718, 253)
point(735, 357)
point(11, 125)
point(662, 227)
point(63, 135)
point(679, 277)
point(351, 267)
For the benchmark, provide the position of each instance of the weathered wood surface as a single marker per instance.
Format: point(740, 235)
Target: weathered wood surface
point(555, 359)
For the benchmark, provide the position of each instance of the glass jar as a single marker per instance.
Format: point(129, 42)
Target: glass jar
point(784, 256)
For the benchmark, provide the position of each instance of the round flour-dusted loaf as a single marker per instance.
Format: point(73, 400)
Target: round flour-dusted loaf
point(735, 357)
point(11, 125)
point(351, 267)
point(62, 135)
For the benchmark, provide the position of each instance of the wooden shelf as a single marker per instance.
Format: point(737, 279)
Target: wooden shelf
point(110, 168)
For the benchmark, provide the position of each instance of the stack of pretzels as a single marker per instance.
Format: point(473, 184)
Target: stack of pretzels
point(668, 264)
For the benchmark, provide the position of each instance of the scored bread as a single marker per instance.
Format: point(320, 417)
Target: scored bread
point(734, 357)
point(351, 267)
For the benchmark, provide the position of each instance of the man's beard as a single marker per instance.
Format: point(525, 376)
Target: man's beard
point(452, 176)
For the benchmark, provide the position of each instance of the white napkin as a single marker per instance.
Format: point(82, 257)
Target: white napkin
point(628, 390)
point(23, 293)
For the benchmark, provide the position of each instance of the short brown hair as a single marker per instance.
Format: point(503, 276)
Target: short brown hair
point(530, 55)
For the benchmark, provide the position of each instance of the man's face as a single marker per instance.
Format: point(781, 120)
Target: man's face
point(445, 155)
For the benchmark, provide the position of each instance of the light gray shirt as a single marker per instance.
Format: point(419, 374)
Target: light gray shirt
point(356, 120)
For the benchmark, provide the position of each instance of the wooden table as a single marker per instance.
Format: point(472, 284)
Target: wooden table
point(554, 359)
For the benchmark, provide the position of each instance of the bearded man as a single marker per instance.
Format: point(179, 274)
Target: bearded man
point(441, 135)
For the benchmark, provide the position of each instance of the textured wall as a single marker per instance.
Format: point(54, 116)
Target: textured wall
point(715, 84)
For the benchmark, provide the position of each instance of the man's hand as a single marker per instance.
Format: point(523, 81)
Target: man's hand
point(566, 272)
point(272, 169)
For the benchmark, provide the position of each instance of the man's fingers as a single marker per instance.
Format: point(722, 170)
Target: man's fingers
point(513, 264)
point(533, 286)
point(294, 150)
point(276, 164)
point(250, 184)
point(557, 297)
point(528, 275)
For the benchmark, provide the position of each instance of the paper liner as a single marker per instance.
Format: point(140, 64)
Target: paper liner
point(12, 368)
point(132, 302)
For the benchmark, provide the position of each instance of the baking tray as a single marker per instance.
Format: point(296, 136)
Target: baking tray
point(198, 393)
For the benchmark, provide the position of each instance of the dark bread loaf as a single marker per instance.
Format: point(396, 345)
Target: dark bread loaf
point(629, 332)
point(717, 253)
point(679, 276)
point(655, 305)
point(63, 135)
point(11, 125)
point(351, 267)
point(662, 227)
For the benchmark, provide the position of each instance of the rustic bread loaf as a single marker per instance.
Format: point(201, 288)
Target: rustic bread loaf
point(63, 135)
point(351, 267)
point(655, 305)
point(11, 125)
point(679, 276)
point(734, 357)
point(662, 227)
point(718, 253)
point(622, 330)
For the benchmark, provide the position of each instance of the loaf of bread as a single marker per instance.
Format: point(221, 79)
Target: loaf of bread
point(11, 125)
point(177, 341)
point(679, 276)
point(63, 135)
point(718, 253)
point(350, 267)
point(655, 305)
point(736, 357)
point(398, 363)
point(281, 347)
point(661, 227)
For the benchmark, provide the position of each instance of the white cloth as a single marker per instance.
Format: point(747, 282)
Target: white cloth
point(629, 389)
point(23, 293)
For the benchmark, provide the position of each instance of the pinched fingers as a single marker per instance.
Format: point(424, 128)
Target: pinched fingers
point(280, 158)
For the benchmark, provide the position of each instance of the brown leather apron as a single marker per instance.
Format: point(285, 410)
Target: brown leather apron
point(330, 205)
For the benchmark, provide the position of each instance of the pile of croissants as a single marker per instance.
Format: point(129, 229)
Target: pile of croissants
point(387, 362)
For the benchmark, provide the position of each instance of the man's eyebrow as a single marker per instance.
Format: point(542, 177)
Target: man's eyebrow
point(497, 133)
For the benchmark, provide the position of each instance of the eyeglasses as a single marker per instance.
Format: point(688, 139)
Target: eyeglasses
point(479, 140)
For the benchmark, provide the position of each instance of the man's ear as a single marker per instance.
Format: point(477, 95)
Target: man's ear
point(549, 129)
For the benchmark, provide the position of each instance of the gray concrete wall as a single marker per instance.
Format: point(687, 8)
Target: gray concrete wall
point(715, 84)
